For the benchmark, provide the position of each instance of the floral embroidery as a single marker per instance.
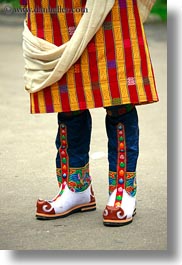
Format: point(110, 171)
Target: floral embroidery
point(112, 181)
point(130, 184)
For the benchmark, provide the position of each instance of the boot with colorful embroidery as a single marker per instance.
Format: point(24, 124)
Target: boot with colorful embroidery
point(75, 193)
point(121, 206)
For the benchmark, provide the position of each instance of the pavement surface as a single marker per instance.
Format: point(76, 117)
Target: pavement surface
point(27, 163)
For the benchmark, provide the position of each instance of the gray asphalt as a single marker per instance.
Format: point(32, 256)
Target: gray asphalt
point(27, 164)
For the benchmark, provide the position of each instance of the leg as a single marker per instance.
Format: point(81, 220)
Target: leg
point(72, 162)
point(73, 144)
point(123, 137)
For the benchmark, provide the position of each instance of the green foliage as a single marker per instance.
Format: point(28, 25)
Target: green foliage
point(160, 8)
point(15, 3)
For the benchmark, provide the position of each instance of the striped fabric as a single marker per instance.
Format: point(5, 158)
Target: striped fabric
point(114, 69)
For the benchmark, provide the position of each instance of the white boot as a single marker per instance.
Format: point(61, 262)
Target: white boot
point(65, 203)
point(121, 206)
point(118, 216)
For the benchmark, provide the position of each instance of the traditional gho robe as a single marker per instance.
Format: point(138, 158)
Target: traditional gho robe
point(115, 67)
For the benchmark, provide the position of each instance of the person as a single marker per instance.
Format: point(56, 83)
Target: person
point(79, 55)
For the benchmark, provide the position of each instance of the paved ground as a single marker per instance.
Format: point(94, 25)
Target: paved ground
point(27, 169)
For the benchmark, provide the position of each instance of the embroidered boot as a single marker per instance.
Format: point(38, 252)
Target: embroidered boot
point(121, 206)
point(75, 195)
point(123, 135)
point(75, 189)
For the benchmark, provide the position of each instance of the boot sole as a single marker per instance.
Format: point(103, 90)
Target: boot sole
point(119, 222)
point(79, 208)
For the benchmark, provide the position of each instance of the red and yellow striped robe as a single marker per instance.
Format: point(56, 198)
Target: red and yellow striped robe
point(114, 69)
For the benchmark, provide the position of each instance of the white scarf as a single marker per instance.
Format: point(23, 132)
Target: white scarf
point(144, 7)
point(46, 63)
